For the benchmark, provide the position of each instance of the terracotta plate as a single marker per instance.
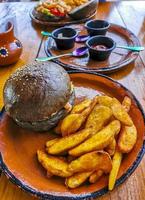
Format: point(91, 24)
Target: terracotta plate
point(18, 146)
point(118, 59)
point(64, 22)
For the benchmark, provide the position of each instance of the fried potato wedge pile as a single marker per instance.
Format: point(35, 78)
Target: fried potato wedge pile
point(68, 142)
point(99, 140)
point(99, 116)
point(95, 135)
point(96, 159)
point(72, 122)
point(54, 165)
point(120, 113)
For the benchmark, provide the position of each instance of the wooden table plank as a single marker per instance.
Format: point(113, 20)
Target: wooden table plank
point(8, 191)
point(133, 15)
point(27, 34)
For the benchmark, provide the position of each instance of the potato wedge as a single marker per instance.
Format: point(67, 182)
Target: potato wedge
point(105, 100)
point(51, 142)
point(126, 103)
point(53, 164)
point(117, 158)
point(69, 142)
point(99, 116)
point(57, 129)
point(81, 106)
point(77, 179)
point(120, 113)
point(71, 123)
point(98, 141)
point(95, 160)
point(111, 147)
point(95, 176)
point(127, 139)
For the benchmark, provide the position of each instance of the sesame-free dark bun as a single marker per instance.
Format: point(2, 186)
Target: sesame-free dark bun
point(35, 95)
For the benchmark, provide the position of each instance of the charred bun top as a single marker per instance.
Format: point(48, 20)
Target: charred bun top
point(36, 91)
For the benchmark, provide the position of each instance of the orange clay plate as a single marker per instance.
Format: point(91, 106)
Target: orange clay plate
point(18, 146)
point(118, 59)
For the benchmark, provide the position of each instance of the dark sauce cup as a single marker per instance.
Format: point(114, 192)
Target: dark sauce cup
point(97, 27)
point(100, 54)
point(64, 37)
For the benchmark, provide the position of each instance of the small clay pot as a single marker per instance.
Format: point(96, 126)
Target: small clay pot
point(100, 54)
point(68, 40)
point(10, 46)
point(97, 27)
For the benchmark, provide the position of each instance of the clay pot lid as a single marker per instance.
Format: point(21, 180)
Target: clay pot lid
point(18, 146)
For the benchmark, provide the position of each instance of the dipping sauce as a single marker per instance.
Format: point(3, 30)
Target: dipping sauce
point(60, 36)
point(99, 47)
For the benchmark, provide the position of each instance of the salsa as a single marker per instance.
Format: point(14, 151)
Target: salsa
point(99, 47)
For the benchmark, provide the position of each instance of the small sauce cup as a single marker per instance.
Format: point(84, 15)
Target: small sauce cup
point(64, 37)
point(97, 27)
point(100, 47)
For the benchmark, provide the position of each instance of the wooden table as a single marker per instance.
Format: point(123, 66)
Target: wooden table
point(130, 14)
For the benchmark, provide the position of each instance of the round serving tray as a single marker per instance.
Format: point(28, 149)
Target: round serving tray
point(117, 60)
point(18, 146)
point(67, 21)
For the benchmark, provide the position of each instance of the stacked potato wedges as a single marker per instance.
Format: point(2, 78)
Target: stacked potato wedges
point(93, 138)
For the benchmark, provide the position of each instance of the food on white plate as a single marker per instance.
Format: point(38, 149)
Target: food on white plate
point(29, 95)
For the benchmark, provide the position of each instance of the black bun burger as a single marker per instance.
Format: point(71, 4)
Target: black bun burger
point(38, 95)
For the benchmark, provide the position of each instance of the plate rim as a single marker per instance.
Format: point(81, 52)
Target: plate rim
point(57, 23)
point(103, 70)
point(90, 195)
